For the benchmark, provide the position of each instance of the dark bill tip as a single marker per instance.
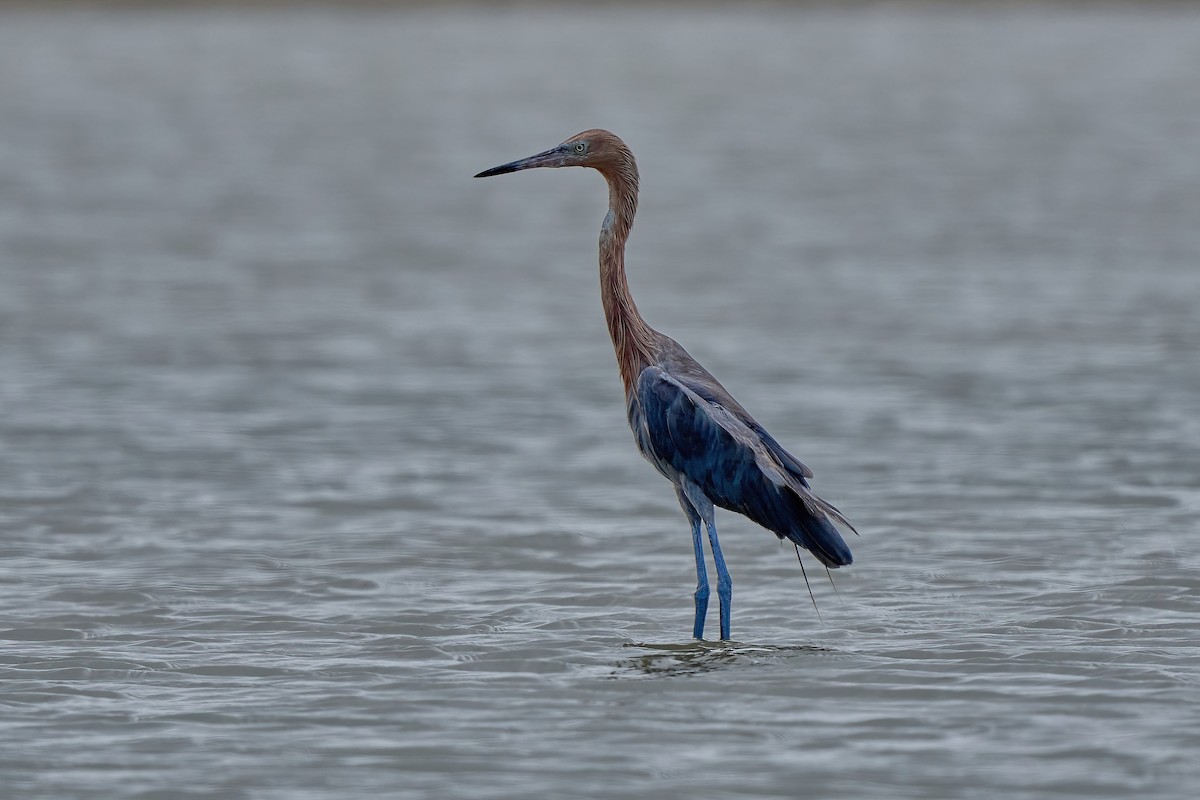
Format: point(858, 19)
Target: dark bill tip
point(500, 170)
point(551, 158)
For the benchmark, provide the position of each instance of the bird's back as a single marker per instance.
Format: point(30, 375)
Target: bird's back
point(689, 426)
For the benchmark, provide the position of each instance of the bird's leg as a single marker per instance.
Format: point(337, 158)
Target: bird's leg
point(724, 582)
point(704, 508)
point(701, 582)
point(701, 571)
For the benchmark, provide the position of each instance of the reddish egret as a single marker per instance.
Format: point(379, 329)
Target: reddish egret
point(685, 423)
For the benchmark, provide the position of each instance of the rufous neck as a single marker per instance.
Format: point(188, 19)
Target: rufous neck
point(632, 338)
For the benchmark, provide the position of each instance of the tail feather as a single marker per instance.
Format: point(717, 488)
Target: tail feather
point(811, 529)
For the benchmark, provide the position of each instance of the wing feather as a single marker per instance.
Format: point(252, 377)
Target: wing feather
point(730, 460)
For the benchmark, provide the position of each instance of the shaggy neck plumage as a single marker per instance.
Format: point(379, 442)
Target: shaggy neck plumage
point(632, 338)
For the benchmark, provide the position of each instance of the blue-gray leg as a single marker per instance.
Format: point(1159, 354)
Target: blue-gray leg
point(724, 582)
point(704, 508)
point(701, 571)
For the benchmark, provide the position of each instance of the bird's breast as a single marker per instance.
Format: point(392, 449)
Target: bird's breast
point(641, 435)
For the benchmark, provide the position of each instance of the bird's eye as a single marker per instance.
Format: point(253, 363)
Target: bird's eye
point(580, 147)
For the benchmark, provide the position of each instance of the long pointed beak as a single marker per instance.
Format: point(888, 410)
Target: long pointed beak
point(553, 157)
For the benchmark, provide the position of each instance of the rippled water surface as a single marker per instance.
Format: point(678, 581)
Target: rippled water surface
point(314, 474)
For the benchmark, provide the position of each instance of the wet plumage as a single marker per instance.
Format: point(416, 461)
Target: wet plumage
point(684, 422)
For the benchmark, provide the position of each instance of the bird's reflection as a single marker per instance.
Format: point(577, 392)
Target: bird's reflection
point(697, 657)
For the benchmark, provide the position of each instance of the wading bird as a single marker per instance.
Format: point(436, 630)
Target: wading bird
point(685, 423)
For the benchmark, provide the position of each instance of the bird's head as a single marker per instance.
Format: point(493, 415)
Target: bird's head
point(596, 148)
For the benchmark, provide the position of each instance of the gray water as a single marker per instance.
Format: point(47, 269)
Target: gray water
point(314, 474)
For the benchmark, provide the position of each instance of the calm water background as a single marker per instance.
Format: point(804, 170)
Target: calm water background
point(315, 476)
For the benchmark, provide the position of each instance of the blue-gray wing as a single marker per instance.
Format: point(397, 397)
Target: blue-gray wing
point(731, 462)
point(685, 369)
